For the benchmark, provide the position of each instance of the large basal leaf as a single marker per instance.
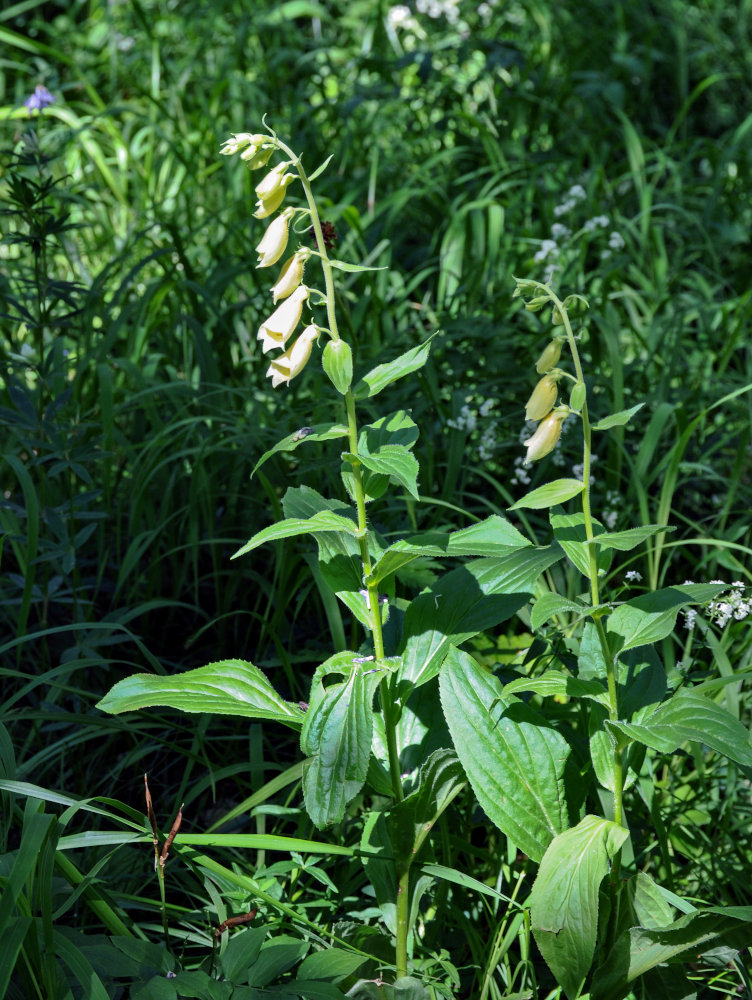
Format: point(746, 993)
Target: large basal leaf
point(651, 617)
point(465, 601)
point(494, 536)
point(690, 717)
point(337, 735)
point(227, 687)
point(564, 897)
point(383, 375)
point(641, 949)
point(513, 759)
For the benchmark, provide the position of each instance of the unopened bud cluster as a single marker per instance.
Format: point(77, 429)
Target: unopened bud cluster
point(289, 290)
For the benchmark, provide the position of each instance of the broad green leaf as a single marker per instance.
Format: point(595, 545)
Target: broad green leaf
point(332, 964)
point(337, 735)
point(616, 419)
point(559, 491)
point(650, 905)
point(325, 520)
point(494, 536)
point(564, 897)
point(227, 687)
point(629, 539)
point(276, 957)
point(319, 432)
point(513, 759)
point(383, 375)
point(398, 463)
point(651, 617)
point(242, 950)
point(553, 684)
point(641, 949)
point(465, 601)
point(569, 532)
point(550, 604)
point(690, 717)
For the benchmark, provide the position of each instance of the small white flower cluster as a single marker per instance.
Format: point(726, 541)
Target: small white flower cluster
point(733, 605)
point(467, 420)
point(578, 470)
point(610, 511)
point(439, 8)
point(574, 196)
point(633, 576)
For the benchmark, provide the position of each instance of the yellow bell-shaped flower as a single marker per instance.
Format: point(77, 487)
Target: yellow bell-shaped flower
point(284, 368)
point(274, 241)
point(547, 435)
point(543, 396)
point(275, 331)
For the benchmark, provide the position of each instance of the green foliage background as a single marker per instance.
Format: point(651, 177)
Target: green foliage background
point(134, 405)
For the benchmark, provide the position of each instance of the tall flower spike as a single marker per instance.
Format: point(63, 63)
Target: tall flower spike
point(276, 331)
point(274, 241)
point(293, 361)
point(546, 436)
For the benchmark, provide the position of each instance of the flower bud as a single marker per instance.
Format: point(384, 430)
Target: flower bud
point(550, 356)
point(291, 274)
point(546, 436)
point(275, 331)
point(293, 361)
point(338, 364)
point(577, 396)
point(254, 150)
point(274, 240)
point(543, 396)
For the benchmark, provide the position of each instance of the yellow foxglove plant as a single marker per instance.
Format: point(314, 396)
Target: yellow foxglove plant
point(364, 721)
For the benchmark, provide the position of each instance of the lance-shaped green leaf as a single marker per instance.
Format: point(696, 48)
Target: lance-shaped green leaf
point(559, 491)
point(569, 532)
point(383, 375)
point(441, 780)
point(550, 604)
point(642, 949)
point(319, 432)
point(554, 684)
point(227, 687)
point(629, 539)
point(396, 462)
point(690, 717)
point(513, 759)
point(465, 601)
point(337, 735)
point(494, 536)
point(324, 520)
point(651, 617)
point(564, 898)
point(339, 552)
point(617, 419)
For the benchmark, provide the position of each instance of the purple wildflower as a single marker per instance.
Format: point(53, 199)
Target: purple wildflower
point(41, 98)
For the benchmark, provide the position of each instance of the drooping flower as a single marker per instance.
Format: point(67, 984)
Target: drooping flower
point(293, 361)
point(276, 330)
point(271, 190)
point(291, 274)
point(547, 435)
point(550, 356)
point(543, 396)
point(274, 241)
